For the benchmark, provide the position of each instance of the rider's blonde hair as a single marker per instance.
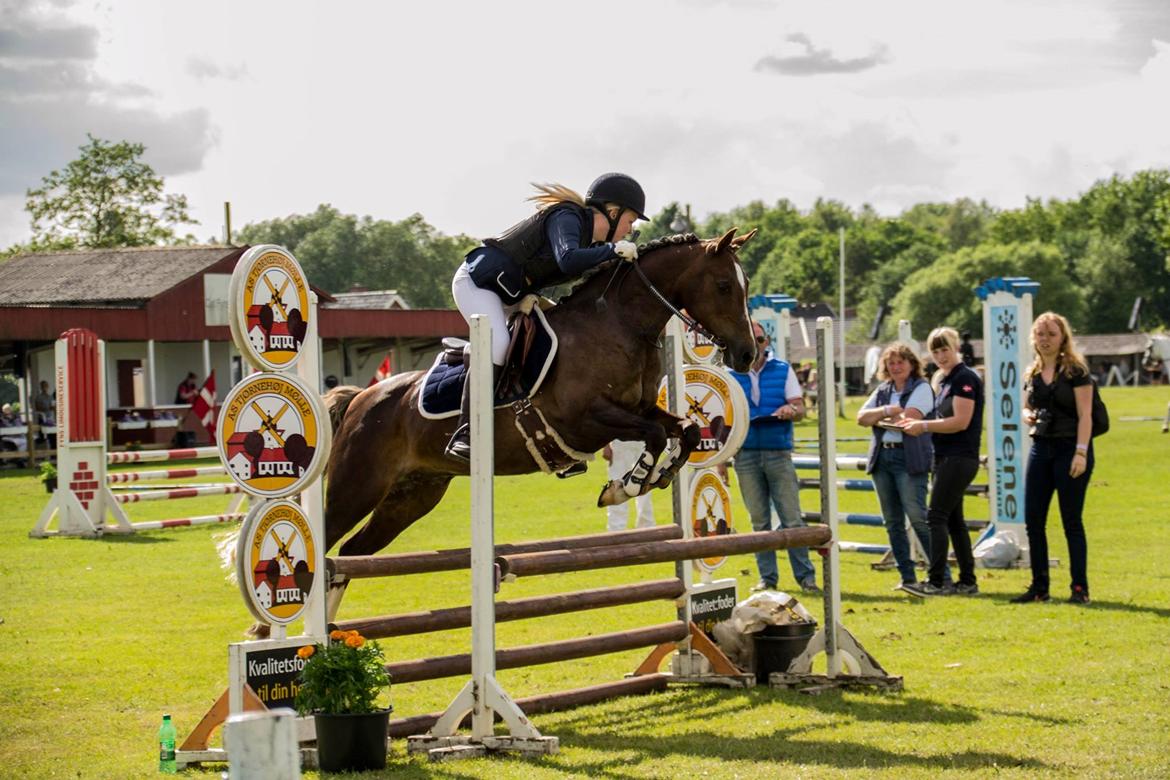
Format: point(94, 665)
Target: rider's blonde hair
point(552, 194)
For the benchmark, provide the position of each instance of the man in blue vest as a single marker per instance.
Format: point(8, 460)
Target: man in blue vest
point(763, 465)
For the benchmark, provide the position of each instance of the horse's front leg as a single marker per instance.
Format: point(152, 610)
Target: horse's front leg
point(615, 422)
point(684, 437)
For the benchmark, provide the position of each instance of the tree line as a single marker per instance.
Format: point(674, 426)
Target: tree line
point(1093, 254)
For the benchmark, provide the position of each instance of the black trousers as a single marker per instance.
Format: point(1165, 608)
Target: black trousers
point(952, 475)
point(1048, 465)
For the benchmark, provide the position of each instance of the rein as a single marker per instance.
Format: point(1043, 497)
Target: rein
point(689, 321)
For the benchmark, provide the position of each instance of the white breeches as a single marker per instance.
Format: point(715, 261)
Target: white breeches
point(471, 299)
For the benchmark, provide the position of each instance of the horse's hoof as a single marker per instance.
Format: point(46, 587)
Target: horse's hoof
point(258, 631)
point(612, 493)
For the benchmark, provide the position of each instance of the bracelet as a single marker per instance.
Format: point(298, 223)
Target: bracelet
point(886, 410)
point(1083, 447)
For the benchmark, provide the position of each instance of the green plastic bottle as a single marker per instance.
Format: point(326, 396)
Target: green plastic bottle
point(166, 747)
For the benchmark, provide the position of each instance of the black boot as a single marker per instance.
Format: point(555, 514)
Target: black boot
point(459, 448)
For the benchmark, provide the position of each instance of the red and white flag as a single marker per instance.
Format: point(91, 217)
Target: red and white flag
point(203, 407)
point(383, 371)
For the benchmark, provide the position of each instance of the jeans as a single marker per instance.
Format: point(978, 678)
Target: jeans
point(767, 479)
point(1047, 473)
point(901, 495)
point(952, 475)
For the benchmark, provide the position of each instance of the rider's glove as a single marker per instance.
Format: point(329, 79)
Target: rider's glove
point(626, 250)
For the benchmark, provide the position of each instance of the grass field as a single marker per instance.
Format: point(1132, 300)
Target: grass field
point(99, 638)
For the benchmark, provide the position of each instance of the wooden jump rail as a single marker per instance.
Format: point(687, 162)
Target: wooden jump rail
point(530, 564)
point(361, 566)
point(543, 653)
point(517, 609)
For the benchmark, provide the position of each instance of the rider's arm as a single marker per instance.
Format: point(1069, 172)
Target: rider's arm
point(573, 255)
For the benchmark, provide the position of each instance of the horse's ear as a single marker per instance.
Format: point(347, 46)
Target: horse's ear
point(746, 237)
point(724, 241)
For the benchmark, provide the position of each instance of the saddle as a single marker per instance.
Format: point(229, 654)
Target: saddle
point(532, 350)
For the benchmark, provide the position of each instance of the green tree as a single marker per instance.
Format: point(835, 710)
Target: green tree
point(943, 292)
point(339, 251)
point(107, 197)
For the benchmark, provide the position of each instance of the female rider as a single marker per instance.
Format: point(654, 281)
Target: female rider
point(566, 237)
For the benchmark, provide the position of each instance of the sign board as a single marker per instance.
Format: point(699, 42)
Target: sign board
point(699, 349)
point(712, 603)
point(709, 512)
point(269, 667)
point(273, 434)
point(269, 298)
point(716, 403)
point(276, 561)
point(1007, 321)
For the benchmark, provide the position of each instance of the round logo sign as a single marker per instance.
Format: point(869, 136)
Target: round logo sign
point(716, 403)
point(697, 348)
point(710, 508)
point(273, 435)
point(269, 300)
point(276, 561)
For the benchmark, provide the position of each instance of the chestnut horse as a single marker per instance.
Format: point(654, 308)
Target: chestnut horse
point(388, 460)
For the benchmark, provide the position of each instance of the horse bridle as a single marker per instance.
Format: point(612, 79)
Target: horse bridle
point(688, 320)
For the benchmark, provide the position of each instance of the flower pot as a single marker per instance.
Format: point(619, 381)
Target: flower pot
point(50, 484)
point(351, 743)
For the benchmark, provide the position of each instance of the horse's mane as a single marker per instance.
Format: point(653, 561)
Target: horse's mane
point(606, 269)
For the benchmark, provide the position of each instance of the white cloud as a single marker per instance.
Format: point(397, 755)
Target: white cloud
point(451, 109)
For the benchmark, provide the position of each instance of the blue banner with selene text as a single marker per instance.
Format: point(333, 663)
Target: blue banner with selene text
point(1008, 447)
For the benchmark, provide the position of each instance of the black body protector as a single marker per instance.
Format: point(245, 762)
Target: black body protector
point(527, 245)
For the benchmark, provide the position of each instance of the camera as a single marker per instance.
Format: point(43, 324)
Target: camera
point(1043, 422)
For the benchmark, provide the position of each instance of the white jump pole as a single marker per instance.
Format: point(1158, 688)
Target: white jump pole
point(827, 429)
point(482, 695)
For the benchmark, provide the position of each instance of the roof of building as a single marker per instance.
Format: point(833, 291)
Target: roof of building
point(125, 277)
point(368, 299)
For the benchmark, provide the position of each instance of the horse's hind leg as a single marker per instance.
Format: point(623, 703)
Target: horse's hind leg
point(407, 501)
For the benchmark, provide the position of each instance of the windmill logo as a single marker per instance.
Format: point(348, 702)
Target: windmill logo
point(272, 305)
point(269, 435)
point(710, 406)
point(710, 513)
point(280, 561)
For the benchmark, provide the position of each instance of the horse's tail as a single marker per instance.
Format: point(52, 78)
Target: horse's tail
point(337, 402)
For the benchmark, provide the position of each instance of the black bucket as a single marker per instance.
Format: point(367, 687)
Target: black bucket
point(352, 743)
point(777, 646)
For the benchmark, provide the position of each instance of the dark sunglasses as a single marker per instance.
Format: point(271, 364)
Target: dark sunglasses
point(761, 339)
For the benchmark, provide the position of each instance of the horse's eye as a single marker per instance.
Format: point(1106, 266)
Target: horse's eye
point(723, 286)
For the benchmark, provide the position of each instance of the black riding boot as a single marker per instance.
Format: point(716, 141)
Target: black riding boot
point(459, 448)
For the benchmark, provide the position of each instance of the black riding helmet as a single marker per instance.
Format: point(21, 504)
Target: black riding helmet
point(616, 188)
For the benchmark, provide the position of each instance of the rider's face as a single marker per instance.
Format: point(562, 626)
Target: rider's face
point(625, 224)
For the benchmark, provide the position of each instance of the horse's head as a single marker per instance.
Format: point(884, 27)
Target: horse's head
point(714, 290)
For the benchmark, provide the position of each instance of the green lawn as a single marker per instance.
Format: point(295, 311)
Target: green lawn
point(102, 637)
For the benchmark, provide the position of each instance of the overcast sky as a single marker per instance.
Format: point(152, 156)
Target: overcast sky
point(450, 109)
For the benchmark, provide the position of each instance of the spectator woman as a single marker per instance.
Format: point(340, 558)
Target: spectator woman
point(900, 465)
point(955, 434)
point(1059, 409)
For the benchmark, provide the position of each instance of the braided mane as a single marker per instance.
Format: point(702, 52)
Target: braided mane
point(643, 249)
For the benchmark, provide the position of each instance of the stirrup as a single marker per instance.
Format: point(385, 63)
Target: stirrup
point(459, 448)
point(576, 469)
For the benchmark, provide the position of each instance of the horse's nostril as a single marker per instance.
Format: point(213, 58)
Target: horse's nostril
point(748, 357)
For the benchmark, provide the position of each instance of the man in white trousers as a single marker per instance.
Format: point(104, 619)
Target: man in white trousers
point(621, 455)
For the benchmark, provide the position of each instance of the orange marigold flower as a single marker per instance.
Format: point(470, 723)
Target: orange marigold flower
point(355, 641)
point(337, 634)
point(306, 651)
